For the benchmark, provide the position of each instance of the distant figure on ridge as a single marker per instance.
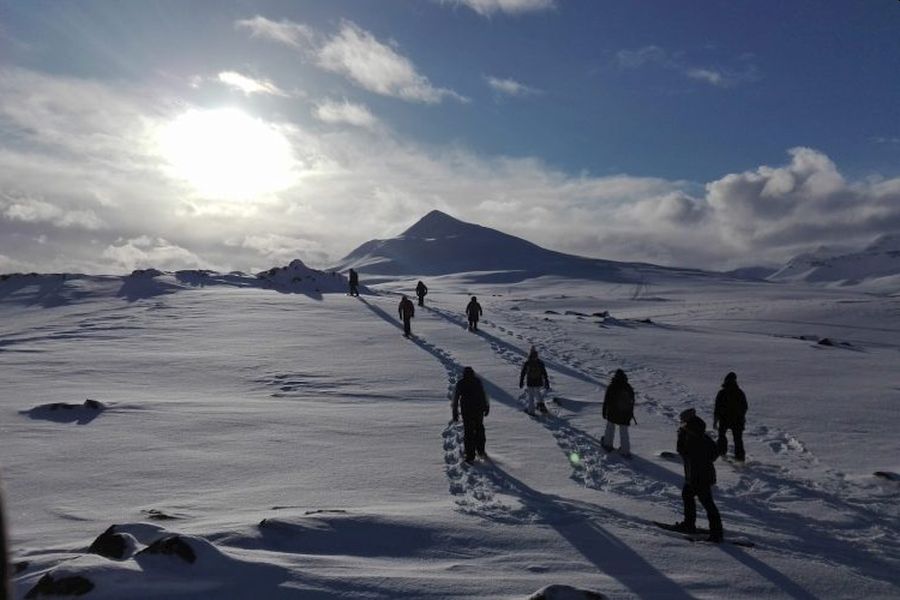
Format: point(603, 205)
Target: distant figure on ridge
point(534, 373)
point(354, 283)
point(730, 413)
point(473, 312)
point(470, 399)
point(407, 311)
point(421, 292)
point(698, 451)
point(618, 409)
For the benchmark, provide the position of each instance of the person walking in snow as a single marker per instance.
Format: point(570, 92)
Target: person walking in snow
point(353, 277)
point(473, 312)
point(698, 451)
point(730, 413)
point(534, 373)
point(407, 311)
point(421, 292)
point(618, 410)
point(470, 400)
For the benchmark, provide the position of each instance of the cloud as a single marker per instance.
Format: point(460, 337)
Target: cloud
point(144, 252)
point(248, 85)
point(723, 77)
point(285, 32)
point(330, 111)
point(509, 87)
point(885, 140)
point(489, 7)
point(358, 56)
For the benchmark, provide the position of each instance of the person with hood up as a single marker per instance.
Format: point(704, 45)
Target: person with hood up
point(618, 409)
point(473, 312)
point(730, 413)
point(407, 311)
point(353, 277)
point(470, 400)
point(421, 292)
point(698, 451)
point(534, 373)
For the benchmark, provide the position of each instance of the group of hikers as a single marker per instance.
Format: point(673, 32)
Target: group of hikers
point(697, 449)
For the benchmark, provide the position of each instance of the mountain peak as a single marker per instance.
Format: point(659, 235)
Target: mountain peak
point(436, 224)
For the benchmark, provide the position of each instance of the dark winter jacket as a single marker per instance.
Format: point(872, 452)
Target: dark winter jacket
point(618, 402)
point(470, 399)
point(354, 277)
point(534, 373)
point(473, 310)
point(406, 309)
point(731, 406)
point(698, 451)
point(421, 289)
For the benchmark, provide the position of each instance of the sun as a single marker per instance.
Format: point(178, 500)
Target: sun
point(227, 154)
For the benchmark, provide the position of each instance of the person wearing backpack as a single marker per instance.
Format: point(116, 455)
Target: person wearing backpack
point(470, 400)
point(407, 311)
point(699, 452)
point(473, 312)
point(730, 413)
point(618, 409)
point(421, 291)
point(534, 373)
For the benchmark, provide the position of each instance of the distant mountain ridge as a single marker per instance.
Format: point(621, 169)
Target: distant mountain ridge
point(880, 260)
point(439, 244)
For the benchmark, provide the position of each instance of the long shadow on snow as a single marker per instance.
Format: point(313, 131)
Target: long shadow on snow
point(552, 365)
point(784, 583)
point(604, 550)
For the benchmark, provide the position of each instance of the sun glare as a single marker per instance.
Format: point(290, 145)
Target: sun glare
point(227, 154)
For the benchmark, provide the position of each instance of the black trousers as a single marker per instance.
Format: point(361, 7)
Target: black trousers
point(473, 436)
point(473, 324)
point(406, 328)
point(704, 494)
point(737, 432)
point(421, 300)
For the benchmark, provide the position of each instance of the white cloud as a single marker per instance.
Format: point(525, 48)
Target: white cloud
point(357, 55)
point(285, 32)
point(144, 252)
point(509, 87)
point(248, 85)
point(331, 111)
point(716, 76)
point(490, 7)
point(32, 210)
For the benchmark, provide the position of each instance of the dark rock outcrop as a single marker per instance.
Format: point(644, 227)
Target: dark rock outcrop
point(110, 544)
point(171, 545)
point(74, 585)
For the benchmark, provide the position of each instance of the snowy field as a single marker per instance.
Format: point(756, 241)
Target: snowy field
point(300, 446)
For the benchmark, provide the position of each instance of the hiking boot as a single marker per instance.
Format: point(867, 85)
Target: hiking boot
point(715, 537)
point(685, 527)
point(542, 407)
point(606, 446)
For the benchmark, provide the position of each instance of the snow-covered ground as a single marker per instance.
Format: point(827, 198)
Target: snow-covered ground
point(300, 446)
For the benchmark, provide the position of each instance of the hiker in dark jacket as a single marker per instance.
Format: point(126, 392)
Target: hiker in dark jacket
point(730, 413)
point(421, 291)
point(353, 277)
point(698, 451)
point(470, 400)
point(473, 312)
point(407, 311)
point(534, 373)
point(618, 410)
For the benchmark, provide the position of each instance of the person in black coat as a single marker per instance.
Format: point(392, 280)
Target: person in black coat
point(421, 292)
point(730, 413)
point(473, 312)
point(353, 277)
point(534, 373)
point(407, 311)
point(618, 410)
point(470, 400)
point(698, 451)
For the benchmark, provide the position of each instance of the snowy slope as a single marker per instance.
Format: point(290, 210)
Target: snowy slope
point(299, 446)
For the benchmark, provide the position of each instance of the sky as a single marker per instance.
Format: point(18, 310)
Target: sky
point(241, 135)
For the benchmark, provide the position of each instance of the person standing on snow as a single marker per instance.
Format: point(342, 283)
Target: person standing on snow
point(698, 451)
point(470, 400)
point(421, 292)
point(535, 375)
point(730, 413)
point(354, 283)
point(618, 409)
point(407, 311)
point(473, 312)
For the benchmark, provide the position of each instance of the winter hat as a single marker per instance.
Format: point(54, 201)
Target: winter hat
point(468, 372)
point(696, 425)
point(731, 377)
point(532, 353)
point(620, 375)
point(686, 415)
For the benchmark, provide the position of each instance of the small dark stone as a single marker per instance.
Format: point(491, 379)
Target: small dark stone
point(110, 544)
point(75, 585)
point(826, 342)
point(602, 314)
point(172, 544)
point(158, 515)
point(20, 567)
point(550, 312)
point(93, 404)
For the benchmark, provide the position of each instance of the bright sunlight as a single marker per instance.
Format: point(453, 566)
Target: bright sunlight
point(227, 154)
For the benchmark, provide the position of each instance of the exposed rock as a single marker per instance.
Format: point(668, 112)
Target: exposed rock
point(565, 592)
point(826, 342)
point(158, 515)
point(74, 585)
point(111, 544)
point(20, 567)
point(171, 544)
